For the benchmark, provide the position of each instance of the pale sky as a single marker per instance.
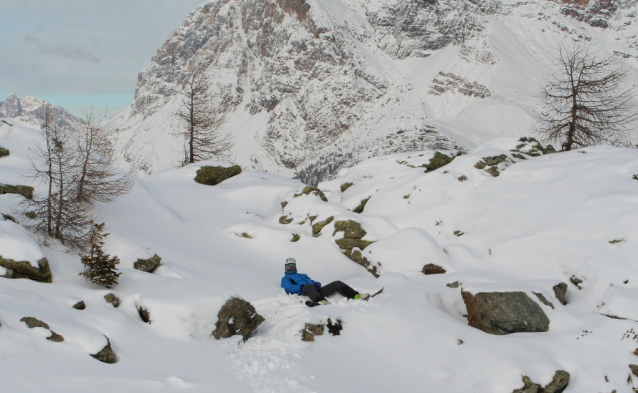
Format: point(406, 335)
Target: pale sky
point(78, 53)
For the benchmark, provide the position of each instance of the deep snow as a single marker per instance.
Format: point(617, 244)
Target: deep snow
point(540, 222)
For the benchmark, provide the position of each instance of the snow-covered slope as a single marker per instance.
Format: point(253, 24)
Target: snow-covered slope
point(320, 85)
point(541, 221)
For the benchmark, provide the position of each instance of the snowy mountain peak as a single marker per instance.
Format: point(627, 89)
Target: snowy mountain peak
point(31, 110)
point(316, 86)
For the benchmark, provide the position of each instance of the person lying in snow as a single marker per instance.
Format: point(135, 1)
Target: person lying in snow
point(301, 284)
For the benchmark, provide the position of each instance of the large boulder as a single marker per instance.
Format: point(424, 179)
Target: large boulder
point(237, 316)
point(504, 312)
point(24, 269)
point(213, 175)
point(148, 265)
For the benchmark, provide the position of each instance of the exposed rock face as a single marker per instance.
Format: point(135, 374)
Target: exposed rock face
point(439, 160)
point(312, 190)
point(504, 313)
point(237, 316)
point(448, 82)
point(31, 110)
point(557, 385)
point(311, 330)
point(213, 175)
point(306, 71)
point(148, 265)
point(352, 244)
point(42, 273)
point(317, 227)
point(106, 355)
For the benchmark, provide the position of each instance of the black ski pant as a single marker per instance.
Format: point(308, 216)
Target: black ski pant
point(327, 290)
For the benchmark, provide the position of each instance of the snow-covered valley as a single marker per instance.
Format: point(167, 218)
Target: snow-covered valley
point(545, 219)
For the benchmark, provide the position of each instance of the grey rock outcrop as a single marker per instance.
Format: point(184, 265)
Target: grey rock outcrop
point(236, 316)
point(148, 265)
point(504, 313)
point(24, 269)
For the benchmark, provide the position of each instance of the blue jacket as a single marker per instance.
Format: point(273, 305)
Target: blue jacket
point(293, 282)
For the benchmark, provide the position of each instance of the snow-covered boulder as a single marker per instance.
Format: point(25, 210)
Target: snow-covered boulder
point(620, 302)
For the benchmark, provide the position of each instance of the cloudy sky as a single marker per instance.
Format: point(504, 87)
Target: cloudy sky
point(78, 53)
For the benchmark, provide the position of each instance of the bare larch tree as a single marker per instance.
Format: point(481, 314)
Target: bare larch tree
point(586, 102)
point(202, 114)
point(97, 179)
point(61, 215)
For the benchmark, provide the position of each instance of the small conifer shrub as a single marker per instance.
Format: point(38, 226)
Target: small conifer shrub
point(99, 267)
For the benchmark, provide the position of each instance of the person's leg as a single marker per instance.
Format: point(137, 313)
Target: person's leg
point(338, 286)
point(311, 292)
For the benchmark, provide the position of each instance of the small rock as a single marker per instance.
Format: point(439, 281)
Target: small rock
point(576, 281)
point(480, 165)
point(431, 268)
point(454, 284)
point(560, 291)
point(559, 382)
point(9, 217)
point(295, 238)
point(462, 178)
point(285, 220)
point(144, 314)
point(504, 313)
point(529, 387)
point(311, 330)
point(634, 369)
point(79, 305)
point(543, 300)
point(111, 298)
point(106, 355)
point(56, 338)
point(493, 171)
point(34, 323)
point(213, 175)
point(237, 316)
point(334, 328)
point(148, 265)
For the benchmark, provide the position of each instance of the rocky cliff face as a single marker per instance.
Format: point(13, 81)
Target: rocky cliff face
point(312, 83)
point(31, 110)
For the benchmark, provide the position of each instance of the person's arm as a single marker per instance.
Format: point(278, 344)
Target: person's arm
point(308, 279)
point(290, 285)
